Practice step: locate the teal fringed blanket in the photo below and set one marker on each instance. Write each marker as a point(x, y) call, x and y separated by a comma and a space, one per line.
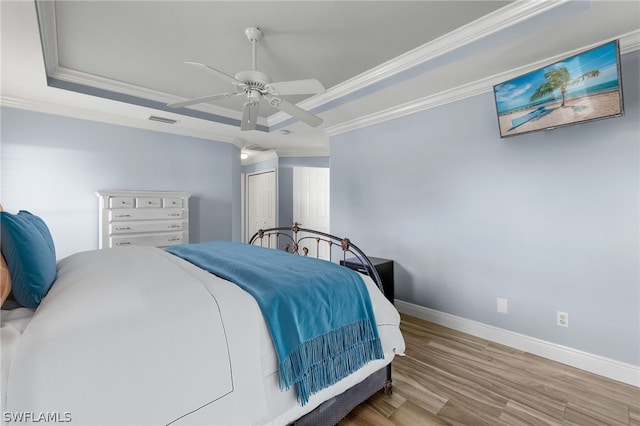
point(319, 313)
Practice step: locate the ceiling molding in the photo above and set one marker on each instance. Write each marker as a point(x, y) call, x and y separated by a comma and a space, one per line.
point(258, 157)
point(113, 86)
point(46, 11)
point(319, 152)
point(103, 83)
point(502, 18)
point(140, 121)
point(628, 43)
point(417, 105)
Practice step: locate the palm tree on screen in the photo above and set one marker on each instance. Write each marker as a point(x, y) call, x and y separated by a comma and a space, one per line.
point(559, 79)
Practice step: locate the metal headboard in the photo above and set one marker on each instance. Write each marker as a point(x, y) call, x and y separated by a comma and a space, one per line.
point(298, 241)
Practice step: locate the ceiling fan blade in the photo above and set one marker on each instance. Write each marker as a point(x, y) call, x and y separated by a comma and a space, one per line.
point(249, 115)
point(294, 111)
point(203, 99)
point(297, 87)
point(220, 74)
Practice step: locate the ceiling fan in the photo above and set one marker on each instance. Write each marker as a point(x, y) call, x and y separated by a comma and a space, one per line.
point(255, 86)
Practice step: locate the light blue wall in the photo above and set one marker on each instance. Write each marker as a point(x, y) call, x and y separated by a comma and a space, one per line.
point(547, 220)
point(52, 166)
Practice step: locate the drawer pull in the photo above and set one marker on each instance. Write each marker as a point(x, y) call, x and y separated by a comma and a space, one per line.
point(174, 215)
point(174, 226)
point(174, 239)
point(124, 228)
point(123, 215)
point(124, 243)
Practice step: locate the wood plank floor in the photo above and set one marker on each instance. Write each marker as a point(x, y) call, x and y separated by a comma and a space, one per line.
point(452, 378)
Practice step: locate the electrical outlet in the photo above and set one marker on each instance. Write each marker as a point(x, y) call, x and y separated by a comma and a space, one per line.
point(563, 319)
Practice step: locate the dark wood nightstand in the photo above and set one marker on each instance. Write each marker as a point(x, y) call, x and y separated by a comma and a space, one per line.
point(384, 267)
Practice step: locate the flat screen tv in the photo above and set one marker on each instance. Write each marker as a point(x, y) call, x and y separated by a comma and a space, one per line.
point(580, 88)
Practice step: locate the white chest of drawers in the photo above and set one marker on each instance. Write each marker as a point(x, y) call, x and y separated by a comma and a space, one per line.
point(144, 218)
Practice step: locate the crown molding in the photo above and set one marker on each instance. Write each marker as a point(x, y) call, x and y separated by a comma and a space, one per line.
point(117, 119)
point(629, 42)
point(498, 20)
point(113, 86)
point(317, 152)
point(81, 78)
point(258, 157)
point(46, 12)
point(427, 102)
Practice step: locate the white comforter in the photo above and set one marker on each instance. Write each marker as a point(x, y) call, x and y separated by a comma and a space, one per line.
point(138, 336)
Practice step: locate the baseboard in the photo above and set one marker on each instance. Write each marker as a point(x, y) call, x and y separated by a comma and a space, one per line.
point(615, 370)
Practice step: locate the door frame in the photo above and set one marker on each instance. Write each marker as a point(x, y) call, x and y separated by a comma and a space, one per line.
point(245, 199)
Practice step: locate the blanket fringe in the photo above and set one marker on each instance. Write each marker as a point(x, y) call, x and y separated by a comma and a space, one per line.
point(326, 359)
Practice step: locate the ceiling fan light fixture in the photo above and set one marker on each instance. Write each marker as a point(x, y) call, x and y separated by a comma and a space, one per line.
point(256, 85)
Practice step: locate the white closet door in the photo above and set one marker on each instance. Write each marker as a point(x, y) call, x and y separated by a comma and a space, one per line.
point(261, 202)
point(311, 202)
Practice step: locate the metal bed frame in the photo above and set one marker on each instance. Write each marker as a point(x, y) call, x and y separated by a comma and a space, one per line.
point(288, 239)
point(299, 241)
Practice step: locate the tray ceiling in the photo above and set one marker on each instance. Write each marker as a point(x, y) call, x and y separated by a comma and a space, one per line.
point(371, 56)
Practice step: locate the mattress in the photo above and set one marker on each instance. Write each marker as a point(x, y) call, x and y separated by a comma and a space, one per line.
point(138, 336)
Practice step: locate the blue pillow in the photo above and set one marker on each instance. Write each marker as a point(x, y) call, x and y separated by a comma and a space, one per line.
point(28, 249)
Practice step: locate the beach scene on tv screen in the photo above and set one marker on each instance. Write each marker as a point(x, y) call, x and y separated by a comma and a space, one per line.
point(580, 88)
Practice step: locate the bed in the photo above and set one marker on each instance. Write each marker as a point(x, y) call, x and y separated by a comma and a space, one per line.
point(138, 335)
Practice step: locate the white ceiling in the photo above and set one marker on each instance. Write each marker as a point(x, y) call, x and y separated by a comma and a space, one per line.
point(121, 61)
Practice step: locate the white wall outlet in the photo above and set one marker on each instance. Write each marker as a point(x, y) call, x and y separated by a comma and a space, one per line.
point(502, 305)
point(563, 319)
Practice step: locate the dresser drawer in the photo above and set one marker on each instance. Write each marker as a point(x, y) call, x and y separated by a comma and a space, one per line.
point(146, 226)
point(121, 202)
point(145, 214)
point(148, 202)
point(172, 202)
point(157, 240)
